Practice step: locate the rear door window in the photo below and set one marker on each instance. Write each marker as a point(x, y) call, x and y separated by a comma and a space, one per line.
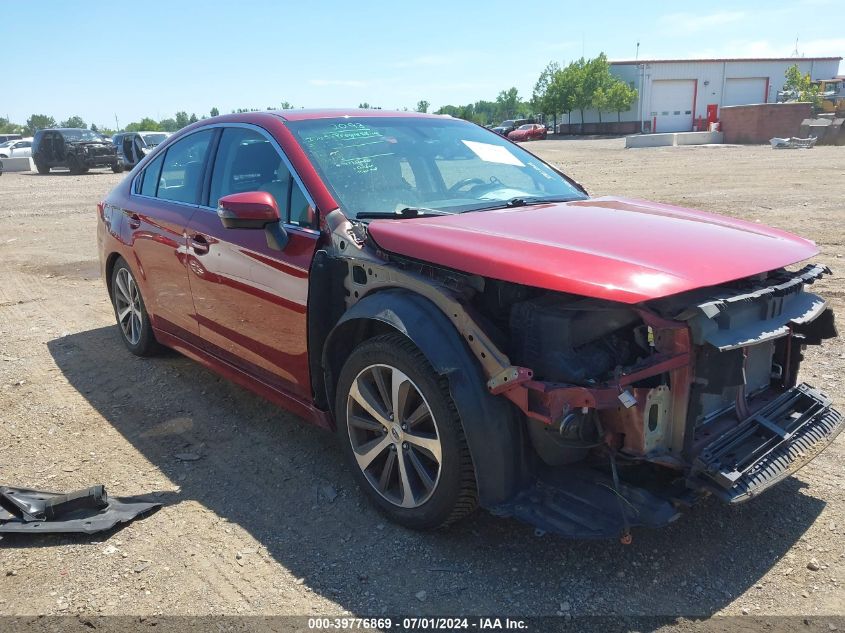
point(182, 170)
point(149, 184)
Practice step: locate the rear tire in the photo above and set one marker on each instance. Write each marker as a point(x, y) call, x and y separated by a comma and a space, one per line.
point(117, 168)
point(405, 444)
point(74, 165)
point(133, 322)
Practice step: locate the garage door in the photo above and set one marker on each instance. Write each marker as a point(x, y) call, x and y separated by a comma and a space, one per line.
point(672, 104)
point(745, 90)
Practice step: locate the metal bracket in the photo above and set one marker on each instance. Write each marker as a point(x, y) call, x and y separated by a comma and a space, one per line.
point(508, 378)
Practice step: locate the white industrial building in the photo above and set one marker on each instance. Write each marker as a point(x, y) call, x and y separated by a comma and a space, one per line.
point(674, 93)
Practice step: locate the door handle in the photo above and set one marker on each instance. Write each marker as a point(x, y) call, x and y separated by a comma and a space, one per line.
point(133, 220)
point(199, 244)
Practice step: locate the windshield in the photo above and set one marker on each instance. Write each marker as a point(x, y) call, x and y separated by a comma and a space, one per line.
point(526, 127)
point(6, 143)
point(83, 135)
point(154, 139)
point(383, 165)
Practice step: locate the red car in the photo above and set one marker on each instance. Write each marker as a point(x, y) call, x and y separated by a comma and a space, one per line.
point(475, 327)
point(529, 132)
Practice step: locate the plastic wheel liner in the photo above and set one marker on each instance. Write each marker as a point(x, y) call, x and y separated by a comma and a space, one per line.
point(84, 511)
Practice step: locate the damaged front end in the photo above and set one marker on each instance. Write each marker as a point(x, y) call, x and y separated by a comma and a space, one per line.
point(688, 395)
point(629, 411)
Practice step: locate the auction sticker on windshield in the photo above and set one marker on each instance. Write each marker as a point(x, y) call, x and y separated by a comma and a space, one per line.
point(493, 153)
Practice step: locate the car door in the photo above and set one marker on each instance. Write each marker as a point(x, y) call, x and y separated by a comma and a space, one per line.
point(165, 196)
point(46, 149)
point(250, 299)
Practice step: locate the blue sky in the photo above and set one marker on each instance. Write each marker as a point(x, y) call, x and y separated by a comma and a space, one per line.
point(152, 57)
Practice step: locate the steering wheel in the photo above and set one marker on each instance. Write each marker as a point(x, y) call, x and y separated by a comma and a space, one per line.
point(466, 182)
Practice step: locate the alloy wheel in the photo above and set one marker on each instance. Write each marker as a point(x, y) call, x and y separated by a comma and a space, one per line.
point(127, 302)
point(394, 435)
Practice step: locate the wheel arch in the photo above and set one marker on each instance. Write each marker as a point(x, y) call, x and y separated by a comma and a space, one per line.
point(111, 262)
point(494, 435)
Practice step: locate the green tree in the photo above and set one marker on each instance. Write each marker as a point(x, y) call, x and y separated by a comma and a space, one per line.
point(422, 106)
point(620, 97)
point(600, 101)
point(563, 88)
point(182, 119)
point(146, 124)
point(74, 121)
point(364, 106)
point(168, 125)
point(597, 81)
point(214, 112)
point(7, 127)
point(38, 122)
point(286, 105)
point(582, 94)
point(800, 87)
point(542, 99)
point(508, 102)
point(193, 118)
point(94, 128)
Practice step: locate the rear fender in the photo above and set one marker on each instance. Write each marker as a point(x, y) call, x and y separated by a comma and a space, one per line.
point(493, 432)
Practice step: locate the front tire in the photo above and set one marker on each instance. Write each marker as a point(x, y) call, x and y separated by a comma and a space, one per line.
point(403, 436)
point(42, 169)
point(74, 165)
point(117, 168)
point(131, 313)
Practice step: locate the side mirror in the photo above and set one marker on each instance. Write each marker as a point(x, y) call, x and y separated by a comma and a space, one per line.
point(254, 210)
point(248, 210)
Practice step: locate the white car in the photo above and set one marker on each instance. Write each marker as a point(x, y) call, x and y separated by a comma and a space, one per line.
point(154, 138)
point(21, 148)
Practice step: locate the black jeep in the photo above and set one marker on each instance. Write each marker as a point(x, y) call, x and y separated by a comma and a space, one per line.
point(75, 148)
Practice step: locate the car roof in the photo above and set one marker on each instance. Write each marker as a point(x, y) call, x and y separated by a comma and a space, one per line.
point(333, 113)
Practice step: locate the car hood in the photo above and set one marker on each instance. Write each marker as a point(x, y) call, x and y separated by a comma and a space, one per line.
point(609, 248)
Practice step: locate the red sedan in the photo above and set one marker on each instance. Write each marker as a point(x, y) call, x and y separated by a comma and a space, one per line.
point(529, 132)
point(475, 328)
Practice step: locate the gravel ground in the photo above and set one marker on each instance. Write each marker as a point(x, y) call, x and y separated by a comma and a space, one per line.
point(268, 521)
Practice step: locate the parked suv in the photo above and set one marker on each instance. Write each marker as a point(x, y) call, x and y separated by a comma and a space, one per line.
point(75, 148)
point(475, 327)
point(506, 127)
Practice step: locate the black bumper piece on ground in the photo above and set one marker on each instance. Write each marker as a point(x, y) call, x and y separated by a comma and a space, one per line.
point(84, 511)
point(770, 445)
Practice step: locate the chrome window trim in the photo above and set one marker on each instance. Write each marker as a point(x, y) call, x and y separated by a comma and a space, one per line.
point(154, 158)
point(278, 148)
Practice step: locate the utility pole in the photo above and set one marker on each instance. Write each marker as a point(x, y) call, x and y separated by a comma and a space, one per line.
point(116, 124)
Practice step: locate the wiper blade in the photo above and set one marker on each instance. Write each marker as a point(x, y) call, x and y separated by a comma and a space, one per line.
point(407, 212)
point(520, 202)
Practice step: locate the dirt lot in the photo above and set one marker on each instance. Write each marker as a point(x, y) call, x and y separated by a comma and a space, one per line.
point(267, 520)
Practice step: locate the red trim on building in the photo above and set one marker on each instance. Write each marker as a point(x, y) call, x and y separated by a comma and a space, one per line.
point(694, 99)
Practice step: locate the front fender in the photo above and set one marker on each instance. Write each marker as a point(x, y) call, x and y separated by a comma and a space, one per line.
point(494, 434)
